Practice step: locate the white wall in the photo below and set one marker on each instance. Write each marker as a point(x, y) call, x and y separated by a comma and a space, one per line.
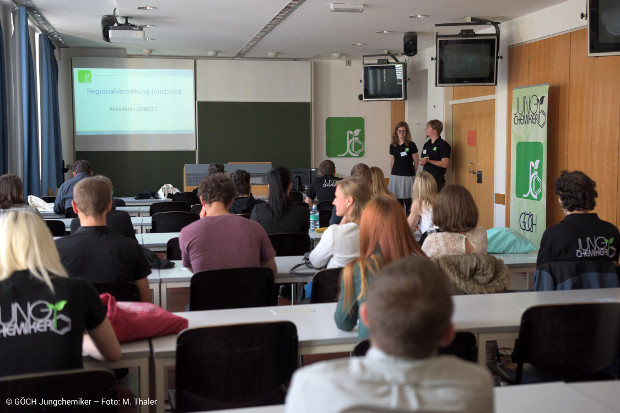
point(535, 26)
point(335, 91)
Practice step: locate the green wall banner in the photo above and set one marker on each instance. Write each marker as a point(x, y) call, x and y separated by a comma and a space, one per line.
point(528, 161)
point(345, 137)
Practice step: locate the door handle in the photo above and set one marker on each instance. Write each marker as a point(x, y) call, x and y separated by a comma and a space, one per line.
point(469, 169)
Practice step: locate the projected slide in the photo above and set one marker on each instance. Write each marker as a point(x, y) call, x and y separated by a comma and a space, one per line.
point(128, 107)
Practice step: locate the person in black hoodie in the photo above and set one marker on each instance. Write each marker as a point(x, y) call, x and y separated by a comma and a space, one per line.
point(244, 202)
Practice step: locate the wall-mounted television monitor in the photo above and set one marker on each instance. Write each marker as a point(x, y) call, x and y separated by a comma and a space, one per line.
point(385, 81)
point(466, 61)
point(603, 27)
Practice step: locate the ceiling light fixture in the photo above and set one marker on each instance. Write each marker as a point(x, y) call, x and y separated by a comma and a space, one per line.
point(272, 54)
point(384, 31)
point(358, 44)
point(346, 8)
point(418, 16)
point(213, 53)
point(336, 55)
point(146, 8)
point(273, 23)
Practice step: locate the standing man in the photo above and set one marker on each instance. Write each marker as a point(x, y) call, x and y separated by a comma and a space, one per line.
point(323, 188)
point(436, 153)
point(95, 252)
point(81, 170)
point(219, 239)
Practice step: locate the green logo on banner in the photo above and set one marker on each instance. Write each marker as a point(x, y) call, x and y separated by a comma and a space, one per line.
point(84, 76)
point(345, 137)
point(529, 169)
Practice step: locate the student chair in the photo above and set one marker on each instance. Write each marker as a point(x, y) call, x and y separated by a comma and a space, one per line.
point(172, 221)
point(324, 216)
point(189, 197)
point(118, 202)
point(232, 288)
point(121, 291)
point(169, 206)
point(48, 199)
point(565, 342)
point(90, 384)
point(173, 250)
point(296, 196)
point(70, 213)
point(57, 227)
point(325, 286)
point(233, 366)
point(196, 208)
point(325, 205)
point(290, 243)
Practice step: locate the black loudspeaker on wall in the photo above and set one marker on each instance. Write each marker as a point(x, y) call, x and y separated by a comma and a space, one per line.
point(410, 43)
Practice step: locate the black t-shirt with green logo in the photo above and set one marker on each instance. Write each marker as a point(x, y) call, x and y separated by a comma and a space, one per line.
point(403, 159)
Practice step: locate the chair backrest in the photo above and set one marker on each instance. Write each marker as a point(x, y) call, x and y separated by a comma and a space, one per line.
point(247, 215)
point(196, 208)
point(463, 346)
point(238, 365)
point(296, 196)
point(122, 291)
point(325, 205)
point(325, 286)
point(569, 340)
point(232, 288)
point(57, 228)
point(290, 243)
point(172, 221)
point(90, 384)
point(189, 197)
point(69, 213)
point(169, 206)
point(48, 199)
point(173, 250)
point(324, 216)
point(119, 202)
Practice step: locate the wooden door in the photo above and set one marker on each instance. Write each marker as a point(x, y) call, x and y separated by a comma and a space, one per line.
point(473, 138)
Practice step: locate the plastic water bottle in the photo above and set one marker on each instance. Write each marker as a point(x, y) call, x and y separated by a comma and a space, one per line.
point(314, 218)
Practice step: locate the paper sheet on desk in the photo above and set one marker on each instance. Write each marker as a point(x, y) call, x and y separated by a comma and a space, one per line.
point(292, 309)
point(40, 204)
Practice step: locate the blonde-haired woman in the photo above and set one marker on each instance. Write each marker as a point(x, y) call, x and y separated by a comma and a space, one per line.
point(340, 242)
point(48, 311)
point(378, 182)
point(424, 196)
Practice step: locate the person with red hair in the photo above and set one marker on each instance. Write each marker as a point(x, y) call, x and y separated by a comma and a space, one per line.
point(384, 237)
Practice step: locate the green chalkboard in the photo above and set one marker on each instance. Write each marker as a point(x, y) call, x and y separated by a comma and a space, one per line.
point(276, 132)
point(132, 171)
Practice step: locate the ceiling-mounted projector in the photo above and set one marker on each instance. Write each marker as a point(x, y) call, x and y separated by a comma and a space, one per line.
point(115, 32)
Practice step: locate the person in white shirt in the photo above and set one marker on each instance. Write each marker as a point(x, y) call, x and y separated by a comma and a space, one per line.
point(408, 311)
point(340, 242)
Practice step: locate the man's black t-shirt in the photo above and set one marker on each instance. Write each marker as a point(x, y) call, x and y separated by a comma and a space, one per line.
point(436, 152)
point(323, 188)
point(41, 330)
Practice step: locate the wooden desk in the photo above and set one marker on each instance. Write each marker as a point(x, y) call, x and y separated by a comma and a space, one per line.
point(139, 223)
point(133, 354)
point(179, 276)
point(133, 211)
point(315, 327)
point(156, 241)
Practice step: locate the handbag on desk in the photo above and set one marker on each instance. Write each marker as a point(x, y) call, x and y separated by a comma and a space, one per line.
point(137, 320)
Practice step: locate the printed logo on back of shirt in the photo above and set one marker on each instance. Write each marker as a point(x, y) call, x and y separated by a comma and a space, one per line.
point(329, 183)
point(595, 247)
point(38, 317)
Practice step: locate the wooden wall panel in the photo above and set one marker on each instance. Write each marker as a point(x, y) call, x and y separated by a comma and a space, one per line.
point(557, 129)
point(579, 145)
point(604, 126)
point(465, 92)
point(537, 64)
point(397, 114)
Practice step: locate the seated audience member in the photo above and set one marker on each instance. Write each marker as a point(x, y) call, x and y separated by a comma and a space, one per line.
point(384, 238)
point(244, 201)
point(378, 182)
point(424, 196)
point(340, 242)
point(360, 170)
point(81, 170)
point(35, 291)
point(582, 250)
point(323, 187)
point(216, 168)
point(456, 215)
point(408, 313)
point(222, 240)
point(11, 195)
point(281, 214)
point(95, 252)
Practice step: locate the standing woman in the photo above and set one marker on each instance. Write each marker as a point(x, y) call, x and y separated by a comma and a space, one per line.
point(384, 237)
point(340, 242)
point(36, 292)
point(404, 160)
point(281, 214)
